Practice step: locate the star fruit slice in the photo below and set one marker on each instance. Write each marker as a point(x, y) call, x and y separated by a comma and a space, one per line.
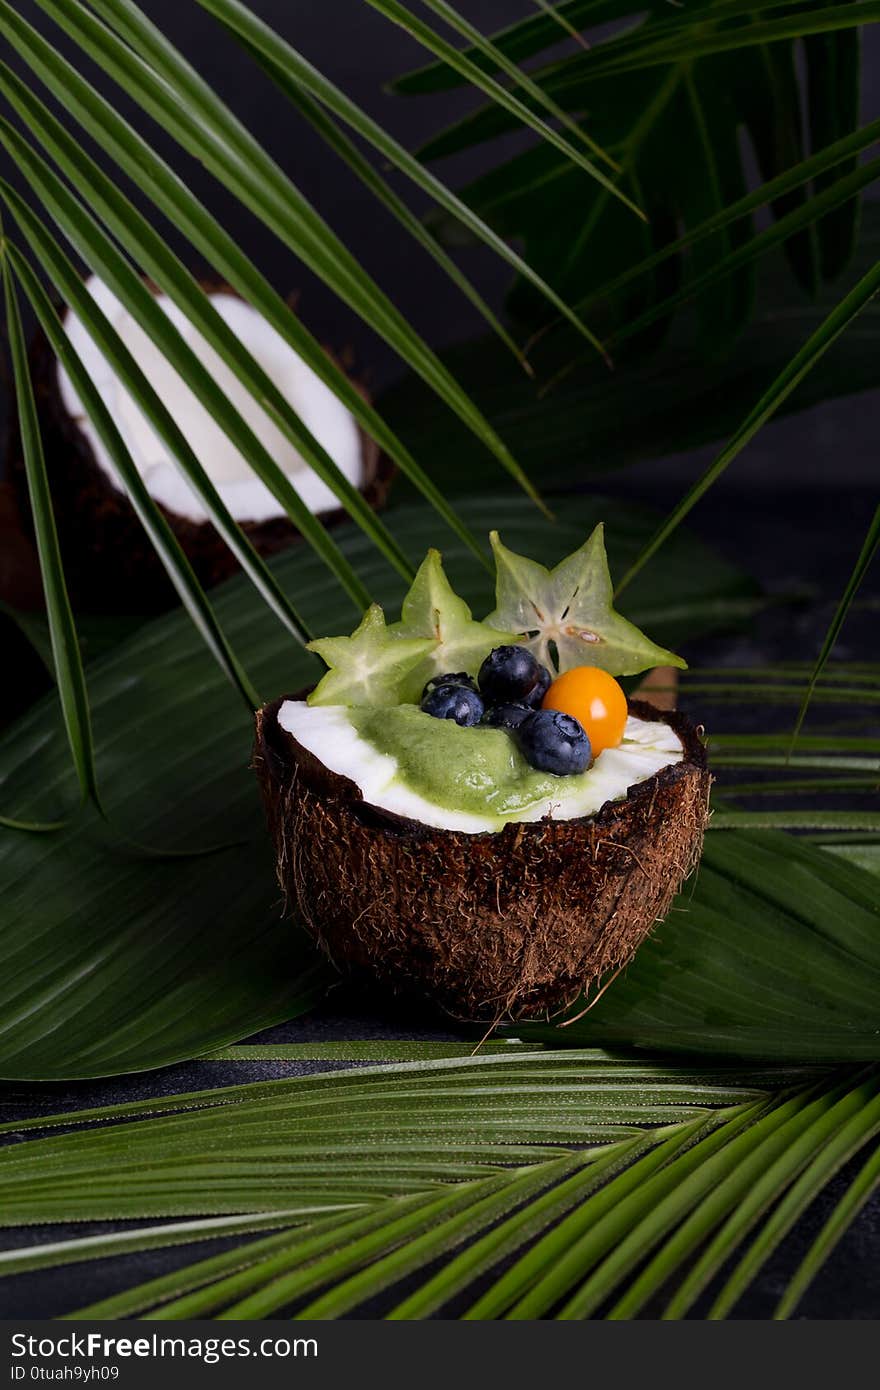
point(368, 668)
point(571, 608)
point(433, 610)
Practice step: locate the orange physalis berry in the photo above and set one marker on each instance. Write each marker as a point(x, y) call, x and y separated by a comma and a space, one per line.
point(595, 700)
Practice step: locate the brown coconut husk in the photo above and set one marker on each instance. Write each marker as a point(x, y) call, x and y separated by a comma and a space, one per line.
point(503, 925)
point(109, 562)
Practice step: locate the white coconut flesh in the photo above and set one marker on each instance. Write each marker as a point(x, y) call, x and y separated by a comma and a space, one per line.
point(460, 783)
point(247, 498)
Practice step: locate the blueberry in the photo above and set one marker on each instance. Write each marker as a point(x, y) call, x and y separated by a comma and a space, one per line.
point(554, 742)
point(545, 680)
point(505, 716)
point(456, 678)
point(509, 675)
point(456, 702)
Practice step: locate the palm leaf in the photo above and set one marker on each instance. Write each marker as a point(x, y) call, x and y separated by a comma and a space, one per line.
point(755, 962)
point(585, 426)
point(575, 1221)
point(261, 37)
point(163, 539)
point(187, 108)
point(838, 194)
point(865, 556)
point(372, 179)
point(64, 275)
point(519, 40)
point(844, 1213)
point(172, 197)
point(849, 1125)
point(497, 59)
point(807, 21)
point(683, 80)
point(66, 657)
point(814, 167)
point(162, 266)
point(526, 37)
point(85, 234)
point(788, 379)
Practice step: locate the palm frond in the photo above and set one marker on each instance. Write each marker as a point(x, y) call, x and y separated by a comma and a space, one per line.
point(171, 196)
point(801, 364)
point(674, 1154)
point(149, 250)
point(680, 79)
point(66, 656)
point(863, 560)
point(258, 35)
point(863, 1185)
point(497, 59)
point(165, 542)
point(167, 88)
point(63, 273)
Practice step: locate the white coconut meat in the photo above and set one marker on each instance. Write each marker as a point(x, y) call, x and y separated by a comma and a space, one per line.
point(247, 498)
point(327, 732)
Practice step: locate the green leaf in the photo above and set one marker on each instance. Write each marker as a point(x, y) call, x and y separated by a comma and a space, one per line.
point(66, 657)
point(184, 1293)
point(795, 820)
point(865, 556)
point(173, 198)
point(501, 96)
point(774, 952)
point(519, 40)
point(109, 963)
point(104, 335)
point(342, 1168)
point(85, 234)
point(758, 33)
point(168, 272)
point(496, 58)
point(585, 425)
point(509, 1236)
point(817, 166)
point(266, 41)
point(847, 1127)
point(546, 1272)
point(445, 1235)
point(186, 107)
point(566, 615)
point(372, 179)
point(358, 1149)
point(371, 667)
point(162, 537)
point(847, 1209)
point(667, 94)
point(792, 374)
point(833, 63)
point(53, 1254)
point(733, 1182)
point(784, 230)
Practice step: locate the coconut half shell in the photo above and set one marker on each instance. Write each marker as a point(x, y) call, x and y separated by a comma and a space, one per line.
point(110, 565)
point(501, 925)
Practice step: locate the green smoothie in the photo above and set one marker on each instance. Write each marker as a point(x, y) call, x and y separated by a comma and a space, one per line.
point(477, 770)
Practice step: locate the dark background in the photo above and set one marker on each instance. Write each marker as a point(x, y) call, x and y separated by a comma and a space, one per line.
point(793, 508)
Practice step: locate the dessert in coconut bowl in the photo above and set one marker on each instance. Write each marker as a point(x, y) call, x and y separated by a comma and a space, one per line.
point(473, 811)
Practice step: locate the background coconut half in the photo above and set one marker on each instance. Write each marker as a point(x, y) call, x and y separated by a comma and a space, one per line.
point(511, 924)
point(109, 562)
